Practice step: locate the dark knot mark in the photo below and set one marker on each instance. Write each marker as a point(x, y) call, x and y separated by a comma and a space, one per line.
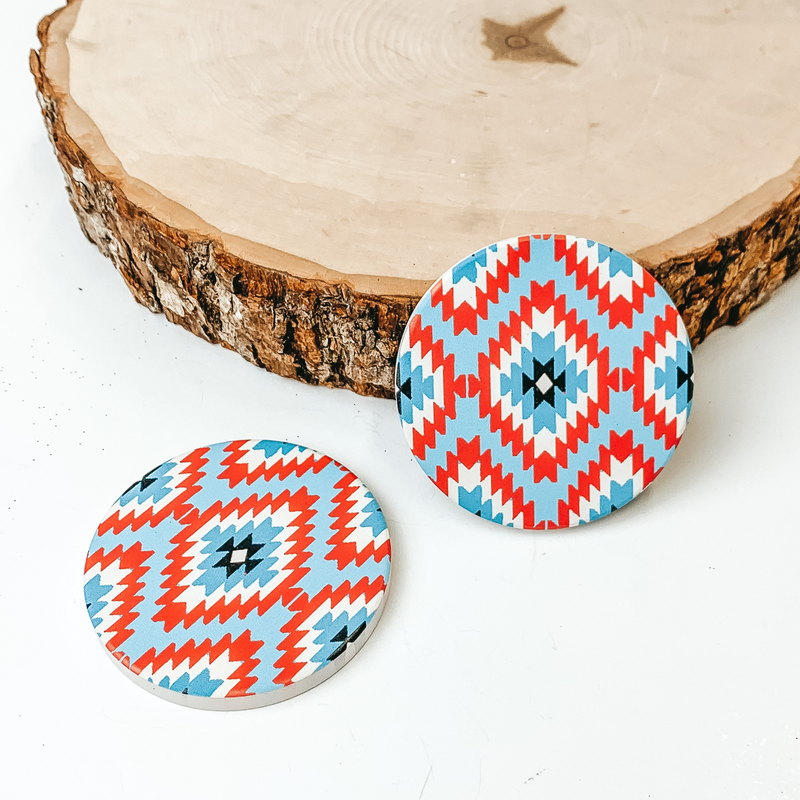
point(526, 41)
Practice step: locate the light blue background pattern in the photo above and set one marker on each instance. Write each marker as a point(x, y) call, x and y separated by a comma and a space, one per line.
point(416, 388)
point(321, 571)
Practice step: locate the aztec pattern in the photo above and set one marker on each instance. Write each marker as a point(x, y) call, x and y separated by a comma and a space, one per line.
point(544, 381)
point(237, 569)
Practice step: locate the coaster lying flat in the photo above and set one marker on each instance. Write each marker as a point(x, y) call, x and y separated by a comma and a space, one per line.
point(239, 574)
point(544, 381)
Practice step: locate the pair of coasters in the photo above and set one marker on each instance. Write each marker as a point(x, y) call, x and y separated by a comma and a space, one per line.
point(542, 382)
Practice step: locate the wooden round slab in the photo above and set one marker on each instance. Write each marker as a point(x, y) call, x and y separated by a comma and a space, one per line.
point(288, 179)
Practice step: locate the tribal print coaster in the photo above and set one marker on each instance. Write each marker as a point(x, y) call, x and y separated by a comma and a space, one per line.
point(239, 574)
point(544, 381)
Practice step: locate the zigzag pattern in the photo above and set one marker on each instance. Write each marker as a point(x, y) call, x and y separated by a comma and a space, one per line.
point(525, 367)
point(184, 602)
point(359, 528)
point(305, 637)
point(464, 301)
point(543, 454)
point(226, 665)
point(436, 405)
point(121, 571)
point(254, 460)
point(177, 483)
point(619, 474)
point(607, 277)
point(666, 412)
point(226, 547)
point(476, 482)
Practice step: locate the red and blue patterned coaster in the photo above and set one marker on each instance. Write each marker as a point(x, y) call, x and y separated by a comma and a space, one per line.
point(544, 381)
point(239, 574)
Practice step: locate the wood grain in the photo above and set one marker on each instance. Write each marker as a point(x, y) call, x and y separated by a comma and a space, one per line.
point(297, 221)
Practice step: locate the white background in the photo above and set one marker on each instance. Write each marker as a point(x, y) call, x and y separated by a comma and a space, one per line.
point(653, 654)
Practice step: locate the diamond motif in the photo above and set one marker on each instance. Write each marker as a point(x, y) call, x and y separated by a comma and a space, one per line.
point(524, 361)
point(243, 555)
point(237, 570)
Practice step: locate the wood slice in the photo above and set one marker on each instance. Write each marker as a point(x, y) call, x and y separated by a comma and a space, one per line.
point(287, 179)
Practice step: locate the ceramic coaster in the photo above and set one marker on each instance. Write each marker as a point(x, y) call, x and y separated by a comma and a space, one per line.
point(239, 574)
point(544, 381)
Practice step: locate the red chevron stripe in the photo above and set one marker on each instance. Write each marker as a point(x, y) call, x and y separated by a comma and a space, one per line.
point(174, 612)
point(444, 407)
point(237, 470)
point(133, 561)
point(465, 316)
point(243, 649)
point(544, 465)
point(303, 607)
point(621, 449)
point(644, 361)
point(468, 455)
point(620, 310)
point(344, 512)
point(177, 506)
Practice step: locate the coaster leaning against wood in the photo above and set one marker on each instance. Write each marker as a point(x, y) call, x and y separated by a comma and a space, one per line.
point(289, 180)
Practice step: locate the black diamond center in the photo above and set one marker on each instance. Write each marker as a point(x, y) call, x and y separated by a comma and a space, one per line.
point(544, 382)
point(238, 555)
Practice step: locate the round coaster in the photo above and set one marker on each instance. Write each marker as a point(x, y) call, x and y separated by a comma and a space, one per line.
point(239, 574)
point(544, 381)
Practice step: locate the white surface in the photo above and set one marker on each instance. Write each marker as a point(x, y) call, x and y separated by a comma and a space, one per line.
point(651, 654)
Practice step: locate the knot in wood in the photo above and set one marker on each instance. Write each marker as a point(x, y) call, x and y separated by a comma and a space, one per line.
point(517, 42)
